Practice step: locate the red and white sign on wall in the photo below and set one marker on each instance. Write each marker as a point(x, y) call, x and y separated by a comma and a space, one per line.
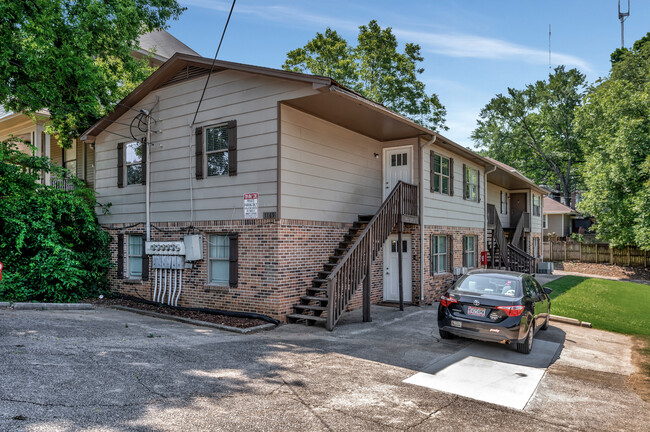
point(250, 205)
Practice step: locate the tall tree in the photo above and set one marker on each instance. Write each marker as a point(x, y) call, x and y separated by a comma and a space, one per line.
point(73, 57)
point(615, 127)
point(533, 129)
point(373, 68)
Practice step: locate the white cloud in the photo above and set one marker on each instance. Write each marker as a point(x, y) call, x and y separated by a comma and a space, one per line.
point(472, 46)
point(449, 44)
point(276, 13)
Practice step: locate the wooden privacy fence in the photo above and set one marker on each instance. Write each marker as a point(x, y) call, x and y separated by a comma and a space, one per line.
point(600, 253)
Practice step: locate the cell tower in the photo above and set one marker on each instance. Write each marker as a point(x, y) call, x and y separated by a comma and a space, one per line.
point(549, 48)
point(622, 16)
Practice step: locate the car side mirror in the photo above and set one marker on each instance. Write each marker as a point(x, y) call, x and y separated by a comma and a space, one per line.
point(548, 290)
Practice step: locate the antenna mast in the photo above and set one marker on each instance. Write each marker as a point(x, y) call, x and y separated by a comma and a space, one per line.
point(549, 48)
point(622, 16)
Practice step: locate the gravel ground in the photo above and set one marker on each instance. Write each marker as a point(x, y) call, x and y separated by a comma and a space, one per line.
point(201, 316)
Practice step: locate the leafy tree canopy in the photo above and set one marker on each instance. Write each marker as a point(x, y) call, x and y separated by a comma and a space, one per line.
point(52, 246)
point(533, 129)
point(615, 125)
point(73, 57)
point(373, 68)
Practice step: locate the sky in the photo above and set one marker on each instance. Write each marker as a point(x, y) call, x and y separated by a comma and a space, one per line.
point(472, 49)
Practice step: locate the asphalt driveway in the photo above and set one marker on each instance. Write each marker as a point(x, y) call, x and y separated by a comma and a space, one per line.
point(109, 370)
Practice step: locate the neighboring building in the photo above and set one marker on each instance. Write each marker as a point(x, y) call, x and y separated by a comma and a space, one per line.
point(558, 218)
point(324, 163)
point(80, 158)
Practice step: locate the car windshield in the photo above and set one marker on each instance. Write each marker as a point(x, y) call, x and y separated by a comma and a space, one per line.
point(489, 284)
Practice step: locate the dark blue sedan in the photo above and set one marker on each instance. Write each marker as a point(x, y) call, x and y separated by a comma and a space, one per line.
point(495, 306)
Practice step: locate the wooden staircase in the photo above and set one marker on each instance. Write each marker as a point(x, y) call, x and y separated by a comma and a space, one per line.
point(313, 305)
point(505, 254)
point(333, 287)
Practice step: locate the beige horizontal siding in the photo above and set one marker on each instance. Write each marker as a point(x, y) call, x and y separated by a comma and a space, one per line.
point(494, 198)
point(329, 173)
point(453, 211)
point(249, 99)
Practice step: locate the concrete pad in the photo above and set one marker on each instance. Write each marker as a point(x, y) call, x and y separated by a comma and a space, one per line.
point(489, 373)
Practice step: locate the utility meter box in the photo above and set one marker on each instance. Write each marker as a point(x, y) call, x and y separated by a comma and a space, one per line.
point(193, 247)
point(165, 248)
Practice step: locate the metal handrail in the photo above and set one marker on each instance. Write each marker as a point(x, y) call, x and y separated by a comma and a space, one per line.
point(345, 278)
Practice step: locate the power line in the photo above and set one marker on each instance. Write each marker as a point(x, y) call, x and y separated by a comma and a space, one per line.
point(213, 61)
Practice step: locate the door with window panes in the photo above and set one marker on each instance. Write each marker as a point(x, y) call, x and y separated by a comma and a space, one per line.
point(397, 166)
point(391, 268)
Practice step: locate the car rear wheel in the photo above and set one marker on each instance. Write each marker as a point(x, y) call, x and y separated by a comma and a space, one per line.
point(445, 334)
point(526, 346)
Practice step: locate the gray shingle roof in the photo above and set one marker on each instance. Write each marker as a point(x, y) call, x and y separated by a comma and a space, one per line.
point(165, 44)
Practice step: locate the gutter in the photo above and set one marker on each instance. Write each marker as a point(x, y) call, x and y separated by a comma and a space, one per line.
point(421, 182)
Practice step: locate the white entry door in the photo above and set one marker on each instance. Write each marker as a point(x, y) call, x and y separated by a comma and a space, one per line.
point(391, 268)
point(398, 163)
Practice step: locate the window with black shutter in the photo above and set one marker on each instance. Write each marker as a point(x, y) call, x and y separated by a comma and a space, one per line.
point(216, 150)
point(234, 259)
point(120, 256)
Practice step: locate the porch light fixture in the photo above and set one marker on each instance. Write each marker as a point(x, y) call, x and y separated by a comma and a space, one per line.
point(376, 155)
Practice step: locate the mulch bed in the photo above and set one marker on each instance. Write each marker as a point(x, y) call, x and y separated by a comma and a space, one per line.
point(200, 316)
point(605, 270)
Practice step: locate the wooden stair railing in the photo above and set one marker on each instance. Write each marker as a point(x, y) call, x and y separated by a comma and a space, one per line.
point(520, 261)
point(498, 235)
point(522, 223)
point(350, 271)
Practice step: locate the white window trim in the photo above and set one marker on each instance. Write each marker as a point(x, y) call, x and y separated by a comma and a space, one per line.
point(466, 252)
point(210, 259)
point(128, 256)
point(474, 186)
point(434, 238)
point(127, 165)
point(205, 149)
point(545, 221)
point(503, 202)
point(441, 175)
point(538, 206)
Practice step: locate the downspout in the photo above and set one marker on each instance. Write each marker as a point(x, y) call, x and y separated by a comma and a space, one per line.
point(421, 182)
point(485, 203)
point(147, 175)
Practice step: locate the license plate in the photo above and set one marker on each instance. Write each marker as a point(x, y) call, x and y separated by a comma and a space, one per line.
point(476, 311)
point(456, 324)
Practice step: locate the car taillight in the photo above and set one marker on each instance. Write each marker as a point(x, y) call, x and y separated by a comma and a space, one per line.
point(511, 311)
point(446, 301)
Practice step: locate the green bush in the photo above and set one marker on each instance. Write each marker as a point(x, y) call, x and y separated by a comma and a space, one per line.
point(51, 244)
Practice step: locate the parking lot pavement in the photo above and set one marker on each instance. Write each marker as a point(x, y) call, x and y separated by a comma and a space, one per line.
point(108, 370)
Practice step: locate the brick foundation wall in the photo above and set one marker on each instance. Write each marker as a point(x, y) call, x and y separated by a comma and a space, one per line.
point(436, 285)
point(277, 261)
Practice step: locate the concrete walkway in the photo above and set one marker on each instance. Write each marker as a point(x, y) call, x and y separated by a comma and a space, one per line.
point(110, 370)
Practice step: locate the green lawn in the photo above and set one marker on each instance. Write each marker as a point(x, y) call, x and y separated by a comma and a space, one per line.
point(622, 307)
